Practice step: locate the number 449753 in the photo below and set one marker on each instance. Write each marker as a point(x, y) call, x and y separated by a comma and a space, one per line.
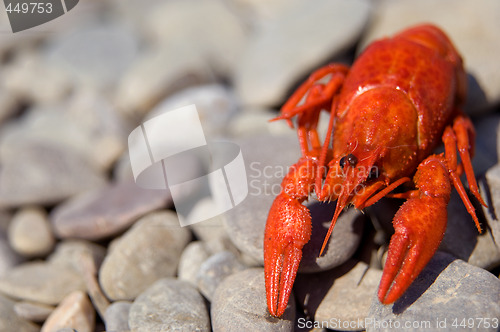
point(30, 7)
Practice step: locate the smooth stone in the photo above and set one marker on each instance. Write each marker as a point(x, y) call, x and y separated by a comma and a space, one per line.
point(475, 38)
point(308, 37)
point(239, 304)
point(70, 253)
point(10, 321)
point(440, 291)
point(191, 259)
point(343, 293)
point(485, 153)
point(8, 257)
point(259, 12)
point(30, 233)
point(41, 174)
point(209, 229)
point(490, 190)
point(150, 250)
point(41, 282)
point(245, 223)
point(486, 254)
point(169, 305)
point(75, 311)
point(254, 121)
point(214, 270)
point(105, 212)
point(116, 316)
point(32, 311)
point(215, 105)
point(8, 105)
point(28, 77)
point(210, 28)
point(95, 54)
point(157, 73)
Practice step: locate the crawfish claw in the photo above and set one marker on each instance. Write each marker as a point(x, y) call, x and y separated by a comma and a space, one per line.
point(288, 228)
point(420, 225)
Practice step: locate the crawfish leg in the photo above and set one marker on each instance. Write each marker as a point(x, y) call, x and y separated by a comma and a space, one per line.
point(419, 227)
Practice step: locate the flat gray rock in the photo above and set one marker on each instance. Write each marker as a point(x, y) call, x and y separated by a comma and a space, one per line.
point(447, 293)
point(41, 282)
point(107, 211)
point(10, 321)
point(33, 311)
point(191, 259)
point(42, 174)
point(341, 296)
point(116, 316)
point(291, 46)
point(479, 54)
point(147, 252)
point(169, 305)
point(239, 304)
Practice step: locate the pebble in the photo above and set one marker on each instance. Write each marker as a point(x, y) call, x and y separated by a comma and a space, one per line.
point(150, 250)
point(474, 36)
point(308, 37)
point(8, 105)
point(210, 229)
point(245, 224)
point(10, 321)
point(215, 105)
point(40, 282)
point(239, 304)
point(191, 259)
point(486, 152)
point(210, 28)
point(69, 253)
point(30, 233)
point(339, 296)
point(94, 54)
point(42, 174)
point(214, 270)
point(75, 311)
point(169, 305)
point(439, 294)
point(105, 212)
point(116, 316)
point(253, 121)
point(8, 257)
point(157, 73)
point(32, 311)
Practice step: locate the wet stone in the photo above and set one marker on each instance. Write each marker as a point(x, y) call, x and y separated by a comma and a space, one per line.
point(239, 304)
point(308, 36)
point(440, 291)
point(214, 270)
point(116, 316)
point(30, 233)
point(105, 212)
point(150, 250)
point(40, 282)
point(169, 305)
point(75, 311)
point(339, 295)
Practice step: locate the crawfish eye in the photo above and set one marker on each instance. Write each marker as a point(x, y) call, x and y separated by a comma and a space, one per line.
point(350, 159)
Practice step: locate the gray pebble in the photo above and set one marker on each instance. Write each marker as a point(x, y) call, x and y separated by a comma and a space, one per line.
point(10, 321)
point(479, 54)
point(150, 250)
point(210, 229)
point(116, 316)
point(239, 304)
point(41, 174)
point(105, 212)
point(308, 37)
point(491, 193)
point(190, 261)
point(70, 252)
point(40, 282)
point(341, 296)
point(30, 233)
point(214, 270)
point(169, 305)
point(75, 311)
point(447, 291)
